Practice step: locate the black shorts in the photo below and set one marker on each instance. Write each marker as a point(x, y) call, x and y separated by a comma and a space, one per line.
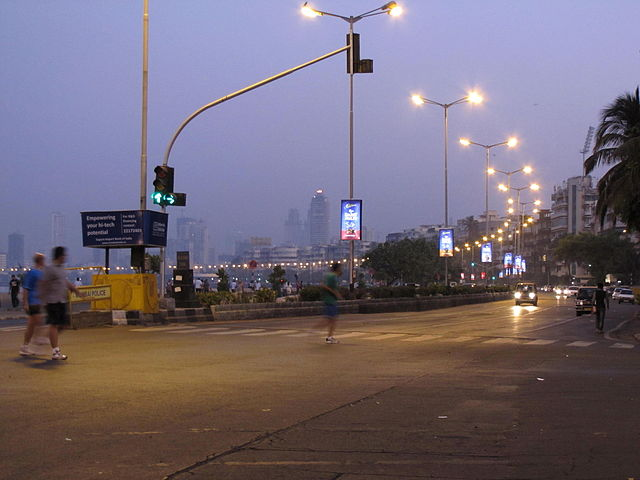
point(34, 309)
point(57, 314)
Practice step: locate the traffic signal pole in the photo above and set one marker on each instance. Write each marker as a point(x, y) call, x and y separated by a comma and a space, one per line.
point(222, 100)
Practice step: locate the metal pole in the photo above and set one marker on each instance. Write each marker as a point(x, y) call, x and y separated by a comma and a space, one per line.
point(446, 185)
point(351, 144)
point(486, 192)
point(145, 89)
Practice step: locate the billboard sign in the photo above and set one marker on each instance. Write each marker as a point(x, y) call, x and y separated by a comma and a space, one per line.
point(517, 263)
point(508, 259)
point(445, 242)
point(351, 220)
point(485, 252)
point(124, 228)
point(523, 265)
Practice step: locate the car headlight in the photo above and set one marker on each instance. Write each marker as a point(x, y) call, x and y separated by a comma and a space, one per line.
point(532, 295)
point(517, 294)
point(579, 302)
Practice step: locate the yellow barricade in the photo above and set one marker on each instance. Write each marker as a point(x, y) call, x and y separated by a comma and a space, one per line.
point(135, 291)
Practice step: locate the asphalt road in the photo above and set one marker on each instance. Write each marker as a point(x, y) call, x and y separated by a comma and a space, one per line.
point(489, 391)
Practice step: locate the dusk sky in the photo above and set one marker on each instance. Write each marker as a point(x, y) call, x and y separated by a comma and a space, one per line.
point(70, 79)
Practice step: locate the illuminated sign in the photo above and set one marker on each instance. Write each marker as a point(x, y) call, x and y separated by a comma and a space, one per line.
point(445, 242)
point(517, 262)
point(351, 220)
point(508, 259)
point(485, 252)
point(523, 265)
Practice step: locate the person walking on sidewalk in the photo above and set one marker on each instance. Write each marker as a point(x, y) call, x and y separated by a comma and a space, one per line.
point(601, 303)
point(31, 301)
point(14, 290)
point(54, 286)
point(330, 296)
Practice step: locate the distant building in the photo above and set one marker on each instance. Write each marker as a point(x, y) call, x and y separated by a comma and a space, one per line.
point(15, 253)
point(3, 261)
point(429, 232)
point(573, 207)
point(294, 229)
point(319, 219)
point(57, 229)
point(193, 237)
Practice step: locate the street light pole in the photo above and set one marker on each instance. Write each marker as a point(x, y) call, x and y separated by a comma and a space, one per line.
point(473, 98)
point(391, 8)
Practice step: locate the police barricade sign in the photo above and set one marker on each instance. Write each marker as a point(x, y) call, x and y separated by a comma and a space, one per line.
point(91, 293)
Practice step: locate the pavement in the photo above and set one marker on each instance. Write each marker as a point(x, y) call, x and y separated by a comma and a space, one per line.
point(489, 391)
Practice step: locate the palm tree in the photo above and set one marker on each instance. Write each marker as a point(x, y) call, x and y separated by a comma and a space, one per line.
point(471, 227)
point(618, 144)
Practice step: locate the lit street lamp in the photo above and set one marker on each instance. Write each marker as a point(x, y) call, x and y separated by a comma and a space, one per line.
point(473, 98)
point(390, 8)
point(511, 142)
point(504, 188)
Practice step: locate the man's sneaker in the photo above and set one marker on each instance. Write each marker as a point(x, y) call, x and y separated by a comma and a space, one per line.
point(331, 340)
point(25, 352)
point(57, 355)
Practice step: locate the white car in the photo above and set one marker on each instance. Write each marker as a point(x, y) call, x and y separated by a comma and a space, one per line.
point(616, 292)
point(571, 291)
point(626, 295)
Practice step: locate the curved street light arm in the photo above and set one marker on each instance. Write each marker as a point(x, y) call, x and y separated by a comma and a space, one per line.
point(240, 92)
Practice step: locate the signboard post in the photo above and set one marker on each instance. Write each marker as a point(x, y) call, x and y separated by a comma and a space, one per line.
point(351, 220)
point(445, 242)
point(486, 253)
point(124, 229)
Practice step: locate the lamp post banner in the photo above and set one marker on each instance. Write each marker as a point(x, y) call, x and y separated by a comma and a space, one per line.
point(351, 220)
point(124, 228)
point(445, 242)
point(486, 252)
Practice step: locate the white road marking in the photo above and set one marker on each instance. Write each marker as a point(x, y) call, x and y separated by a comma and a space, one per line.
point(502, 340)
point(159, 329)
point(622, 345)
point(386, 336)
point(239, 332)
point(272, 332)
point(199, 330)
point(461, 339)
point(541, 342)
point(13, 329)
point(580, 344)
point(421, 338)
point(304, 334)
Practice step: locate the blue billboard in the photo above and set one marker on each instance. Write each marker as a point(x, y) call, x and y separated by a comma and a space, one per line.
point(508, 259)
point(517, 263)
point(485, 253)
point(351, 220)
point(445, 242)
point(124, 228)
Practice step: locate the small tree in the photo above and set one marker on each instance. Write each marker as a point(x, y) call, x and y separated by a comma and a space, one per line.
point(153, 261)
point(223, 280)
point(276, 277)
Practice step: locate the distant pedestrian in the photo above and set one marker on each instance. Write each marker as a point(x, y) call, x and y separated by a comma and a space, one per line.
point(198, 285)
point(258, 285)
point(234, 286)
point(330, 297)
point(31, 301)
point(54, 286)
point(601, 303)
point(14, 290)
point(205, 285)
point(78, 282)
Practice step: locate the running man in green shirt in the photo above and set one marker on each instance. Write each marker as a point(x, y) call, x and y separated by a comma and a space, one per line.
point(330, 296)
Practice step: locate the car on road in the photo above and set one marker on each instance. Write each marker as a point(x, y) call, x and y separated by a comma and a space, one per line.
point(572, 291)
point(616, 292)
point(584, 300)
point(526, 293)
point(626, 295)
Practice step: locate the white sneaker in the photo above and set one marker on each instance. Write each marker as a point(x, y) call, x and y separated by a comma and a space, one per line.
point(24, 351)
point(331, 340)
point(57, 355)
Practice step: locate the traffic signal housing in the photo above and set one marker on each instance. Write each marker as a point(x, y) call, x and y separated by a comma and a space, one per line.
point(164, 179)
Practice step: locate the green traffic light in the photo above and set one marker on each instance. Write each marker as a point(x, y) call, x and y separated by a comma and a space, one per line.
point(169, 199)
point(157, 198)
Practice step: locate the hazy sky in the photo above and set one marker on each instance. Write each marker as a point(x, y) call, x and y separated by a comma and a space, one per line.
point(70, 83)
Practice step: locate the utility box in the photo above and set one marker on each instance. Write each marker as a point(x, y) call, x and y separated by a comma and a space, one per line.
point(136, 291)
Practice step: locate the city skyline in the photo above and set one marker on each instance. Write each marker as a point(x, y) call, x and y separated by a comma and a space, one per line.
point(73, 96)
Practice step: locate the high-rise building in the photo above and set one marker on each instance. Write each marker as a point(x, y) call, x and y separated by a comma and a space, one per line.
point(15, 253)
point(57, 229)
point(319, 219)
point(294, 229)
point(573, 206)
point(193, 237)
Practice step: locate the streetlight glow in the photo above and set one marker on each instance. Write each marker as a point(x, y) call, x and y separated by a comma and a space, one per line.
point(417, 99)
point(474, 97)
point(307, 11)
point(537, 202)
point(527, 169)
point(393, 9)
point(465, 141)
point(502, 187)
point(512, 142)
point(491, 171)
point(535, 187)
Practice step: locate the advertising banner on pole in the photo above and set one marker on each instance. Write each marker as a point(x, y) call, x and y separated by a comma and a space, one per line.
point(508, 259)
point(445, 242)
point(485, 253)
point(351, 220)
point(523, 265)
point(517, 263)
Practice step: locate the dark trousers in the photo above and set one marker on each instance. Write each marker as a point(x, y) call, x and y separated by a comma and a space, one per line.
point(600, 311)
point(14, 299)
